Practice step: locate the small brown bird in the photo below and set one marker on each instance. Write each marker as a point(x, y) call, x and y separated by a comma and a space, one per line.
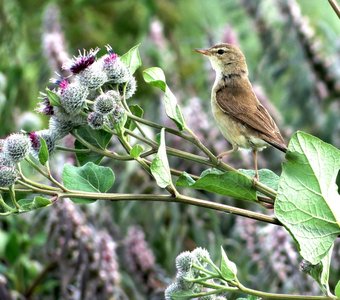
point(240, 116)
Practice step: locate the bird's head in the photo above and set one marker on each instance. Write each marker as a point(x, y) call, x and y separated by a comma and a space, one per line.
point(225, 58)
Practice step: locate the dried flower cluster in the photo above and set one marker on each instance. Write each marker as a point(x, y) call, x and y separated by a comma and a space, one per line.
point(86, 257)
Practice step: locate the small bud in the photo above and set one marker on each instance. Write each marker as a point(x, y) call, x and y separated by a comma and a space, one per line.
point(72, 96)
point(171, 290)
point(17, 146)
point(114, 68)
point(131, 87)
point(118, 113)
point(45, 107)
point(46, 135)
point(95, 120)
point(184, 262)
point(104, 104)
point(8, 176)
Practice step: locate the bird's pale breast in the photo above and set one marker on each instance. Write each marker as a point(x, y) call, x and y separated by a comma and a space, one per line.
point(236, 133)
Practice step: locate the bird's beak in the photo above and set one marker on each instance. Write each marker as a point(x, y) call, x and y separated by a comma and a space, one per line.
point(202, 51)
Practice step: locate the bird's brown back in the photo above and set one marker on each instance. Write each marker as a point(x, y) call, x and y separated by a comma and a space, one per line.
point(237, 99)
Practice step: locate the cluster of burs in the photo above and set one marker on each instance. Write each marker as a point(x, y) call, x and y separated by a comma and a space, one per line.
point(191, 268)
point(92, 96)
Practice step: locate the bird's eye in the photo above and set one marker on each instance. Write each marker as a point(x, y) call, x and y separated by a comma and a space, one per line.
point(221, 51)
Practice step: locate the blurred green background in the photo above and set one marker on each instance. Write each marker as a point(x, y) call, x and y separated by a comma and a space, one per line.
point(292, 50)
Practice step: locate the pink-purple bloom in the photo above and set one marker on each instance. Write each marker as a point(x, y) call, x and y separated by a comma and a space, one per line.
point(82, 61)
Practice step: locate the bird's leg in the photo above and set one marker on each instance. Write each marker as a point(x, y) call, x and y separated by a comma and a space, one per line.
point(255, 164)
point(221, 155)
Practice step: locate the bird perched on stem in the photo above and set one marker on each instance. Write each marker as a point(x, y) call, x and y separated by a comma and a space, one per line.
point(240, 116)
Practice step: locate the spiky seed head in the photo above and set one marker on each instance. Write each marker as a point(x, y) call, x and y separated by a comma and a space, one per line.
point(5, 161)
point(8, 176)
point(115, 69)
point(63, 116)
point(184, 262)
point(131, 87)
point(72, 96)
point(17, 146)
point(201, 255)
point(95, 120)
point(104, 104)
point(182, 279)
point(171, 290)
point(92, 77)
point(2, 142)
point(60, 128)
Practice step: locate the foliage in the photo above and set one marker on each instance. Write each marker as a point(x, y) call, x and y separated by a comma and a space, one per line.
point(275, 48)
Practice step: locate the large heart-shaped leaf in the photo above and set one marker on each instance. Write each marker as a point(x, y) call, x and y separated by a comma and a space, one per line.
point(308, 203)
point(88, 178)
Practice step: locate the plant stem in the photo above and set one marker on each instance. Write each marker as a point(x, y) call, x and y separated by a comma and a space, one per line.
point(335, 7)
point(169, 198)
point(101, 151)
point(266, 295)
point(12, 196)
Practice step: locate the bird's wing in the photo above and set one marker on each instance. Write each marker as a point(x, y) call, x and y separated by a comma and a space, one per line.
point(240, 102)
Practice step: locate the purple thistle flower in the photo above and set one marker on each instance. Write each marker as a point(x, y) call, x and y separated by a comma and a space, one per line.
point(82, 61)
point(35, 141)
point(112, 56)
point(45, 107)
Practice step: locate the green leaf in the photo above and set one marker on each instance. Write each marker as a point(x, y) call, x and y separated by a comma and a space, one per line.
point(155, 77)
point(228, 183)
point(228, 268)
point(31, 204)
point(53, 98)
point(337, 289)
point(137, 111)
point(88, 178)
point(43, 152)
point(267, 177)
point(308, 203)
point(160, 166)
point(136, 150)
point(320, 272)
point(97, 138)
point(132, 59)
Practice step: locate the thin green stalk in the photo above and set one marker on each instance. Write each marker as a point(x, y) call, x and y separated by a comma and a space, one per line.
point(53, 180)
point(266, 295)
point(33, 183)
point(12, 196)
point(106, 153)
point(66, 149)
point(5, 206)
